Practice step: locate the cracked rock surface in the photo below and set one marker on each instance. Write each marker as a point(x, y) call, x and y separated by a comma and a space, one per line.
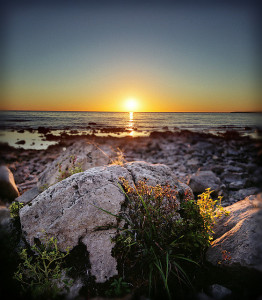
point(86, 155)
point(70, 210)
point(240, 235)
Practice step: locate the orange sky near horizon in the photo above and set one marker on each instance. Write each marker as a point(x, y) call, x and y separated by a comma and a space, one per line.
point(143, 104)
point(171, 59)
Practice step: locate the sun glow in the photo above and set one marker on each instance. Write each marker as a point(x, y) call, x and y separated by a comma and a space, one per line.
point(131, 104)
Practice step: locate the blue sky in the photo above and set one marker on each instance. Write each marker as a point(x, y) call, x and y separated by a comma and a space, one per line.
point(169, 57)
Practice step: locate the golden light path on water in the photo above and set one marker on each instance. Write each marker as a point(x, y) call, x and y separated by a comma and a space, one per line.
point(131, 123)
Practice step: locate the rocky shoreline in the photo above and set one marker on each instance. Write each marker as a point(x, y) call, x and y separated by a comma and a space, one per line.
point(192, 162)
point(235, 162)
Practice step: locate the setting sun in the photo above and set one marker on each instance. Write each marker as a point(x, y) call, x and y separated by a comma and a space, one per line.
point(131, 104)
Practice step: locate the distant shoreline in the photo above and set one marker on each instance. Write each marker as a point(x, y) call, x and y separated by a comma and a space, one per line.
point(143, 112)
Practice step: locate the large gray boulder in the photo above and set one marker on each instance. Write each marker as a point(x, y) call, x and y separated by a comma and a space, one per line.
point(239, 235)
point(8, 188)
point(202, 180)
point(81, 154)
point(69, 210)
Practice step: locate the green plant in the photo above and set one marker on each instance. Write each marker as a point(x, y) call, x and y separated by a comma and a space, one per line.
point(118, 288)
point(14, 209)
point(210, 210)
point(44, 187)
point(75, 168)
point(161, 236)
point(40, 272)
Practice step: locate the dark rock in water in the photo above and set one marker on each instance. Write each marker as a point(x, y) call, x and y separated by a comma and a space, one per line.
point(238, 237)
point(112, 129)
point(21, 142)
point(52, 137)
point(73, 132)
point(231, 135)
point(8, 188)
point(43, 130)
point(158, 134)
point(202, 180)
point(92, 123)
point(29, 195)
point(21, 131)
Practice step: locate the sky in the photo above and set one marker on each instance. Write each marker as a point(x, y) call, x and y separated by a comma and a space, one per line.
point(168, 57)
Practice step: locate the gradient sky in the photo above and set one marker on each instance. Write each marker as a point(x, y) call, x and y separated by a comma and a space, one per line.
point(168, 57)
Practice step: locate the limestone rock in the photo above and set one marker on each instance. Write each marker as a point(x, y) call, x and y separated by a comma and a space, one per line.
point(8, 188)
point(202, 180)
point(69, 210)
point(153, 173)
point(82, 154)
point(28, 196)
point(240, 235)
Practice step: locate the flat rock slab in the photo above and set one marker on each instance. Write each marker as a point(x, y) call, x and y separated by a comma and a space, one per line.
point(239, 235)
point(72, 210)
point(28, 196)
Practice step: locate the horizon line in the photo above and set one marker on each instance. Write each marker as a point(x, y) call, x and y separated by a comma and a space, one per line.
point(105, 111)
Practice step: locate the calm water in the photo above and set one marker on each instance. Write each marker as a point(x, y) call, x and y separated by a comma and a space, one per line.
point(135, 124)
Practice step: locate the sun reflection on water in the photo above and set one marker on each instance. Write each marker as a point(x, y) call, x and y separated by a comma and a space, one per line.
point(131, 123)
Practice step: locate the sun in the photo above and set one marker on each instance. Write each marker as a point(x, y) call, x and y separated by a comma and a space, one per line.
point(131, 104)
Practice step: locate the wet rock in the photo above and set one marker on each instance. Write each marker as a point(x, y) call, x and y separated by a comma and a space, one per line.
point(21, 142)
point(202, 180)
point(238, 237)
point(8, 188)
point(69, 210)
point(43, 130)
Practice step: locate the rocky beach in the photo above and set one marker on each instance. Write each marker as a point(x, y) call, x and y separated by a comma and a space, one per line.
point(228, 164)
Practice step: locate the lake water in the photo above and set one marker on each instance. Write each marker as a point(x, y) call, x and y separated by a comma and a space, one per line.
point(17, 125)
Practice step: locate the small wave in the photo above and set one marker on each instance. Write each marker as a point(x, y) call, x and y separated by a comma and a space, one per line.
point(17, 120)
